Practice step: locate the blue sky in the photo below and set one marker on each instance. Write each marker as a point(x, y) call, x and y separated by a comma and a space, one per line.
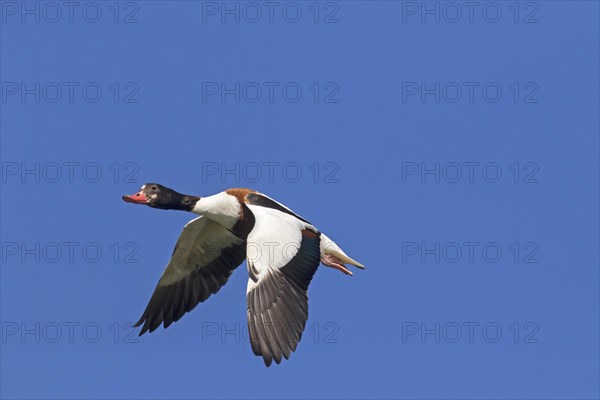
point(452, 150)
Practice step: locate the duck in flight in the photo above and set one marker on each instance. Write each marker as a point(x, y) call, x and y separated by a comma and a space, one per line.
point(282, 252)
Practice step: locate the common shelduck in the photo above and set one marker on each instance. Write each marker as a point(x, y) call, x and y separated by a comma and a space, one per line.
point(282, 252)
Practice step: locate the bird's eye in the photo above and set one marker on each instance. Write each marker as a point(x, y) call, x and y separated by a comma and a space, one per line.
point(154, 188)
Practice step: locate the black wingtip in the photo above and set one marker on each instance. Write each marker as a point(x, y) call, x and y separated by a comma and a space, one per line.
point(145, 327)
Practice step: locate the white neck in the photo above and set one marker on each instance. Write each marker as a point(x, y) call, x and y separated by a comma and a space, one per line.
point(221, 207)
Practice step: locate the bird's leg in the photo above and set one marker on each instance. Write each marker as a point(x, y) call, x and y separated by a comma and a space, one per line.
point(335, 263)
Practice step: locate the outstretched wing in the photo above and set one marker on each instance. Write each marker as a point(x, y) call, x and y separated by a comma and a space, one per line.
point(205, 256)
point(283, 254)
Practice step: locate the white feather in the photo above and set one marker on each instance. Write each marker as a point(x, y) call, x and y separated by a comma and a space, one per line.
point(221, 207)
